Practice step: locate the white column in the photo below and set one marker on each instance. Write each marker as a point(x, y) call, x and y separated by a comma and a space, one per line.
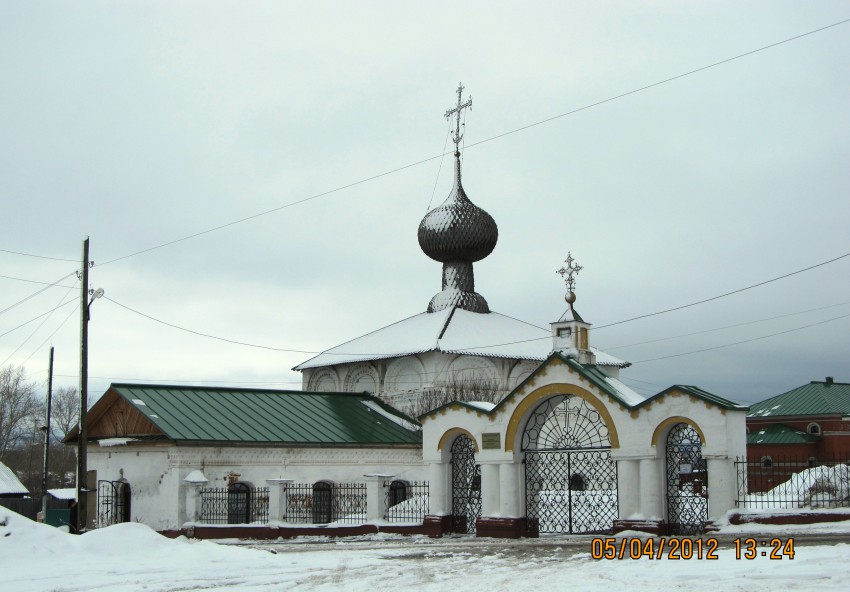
point(193, 501)
point(628, 487)
point(490, 489)
point(438, 489)
point(722, 487)
point(375, 496)
point(277, 498)
point(509, 489)
point(651, 487)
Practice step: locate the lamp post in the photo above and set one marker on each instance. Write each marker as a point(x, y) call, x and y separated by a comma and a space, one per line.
point(82, 440)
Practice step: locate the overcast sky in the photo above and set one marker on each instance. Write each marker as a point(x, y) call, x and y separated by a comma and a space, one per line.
point(139, 123)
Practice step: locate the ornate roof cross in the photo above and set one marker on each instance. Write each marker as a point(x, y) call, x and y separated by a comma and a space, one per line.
point(570, 271)
point(457, 136)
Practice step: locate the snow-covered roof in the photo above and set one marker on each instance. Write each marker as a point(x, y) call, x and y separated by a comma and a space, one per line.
point(9, 482)
point(64, 493)
point(452, 330)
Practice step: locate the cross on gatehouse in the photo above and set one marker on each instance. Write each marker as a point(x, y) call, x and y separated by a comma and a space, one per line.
point(457, 136)
point(569, 271)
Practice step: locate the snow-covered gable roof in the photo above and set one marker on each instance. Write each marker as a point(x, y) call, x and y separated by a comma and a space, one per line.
point(454, 331)
point(9, 482)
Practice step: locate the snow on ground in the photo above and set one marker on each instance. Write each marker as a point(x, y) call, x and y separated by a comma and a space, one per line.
point(131, 557)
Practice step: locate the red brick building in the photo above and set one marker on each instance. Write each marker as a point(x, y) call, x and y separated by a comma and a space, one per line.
point(805, 427)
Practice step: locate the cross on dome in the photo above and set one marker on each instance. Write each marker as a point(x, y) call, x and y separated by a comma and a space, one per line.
point(456, 135)
point(569, 271)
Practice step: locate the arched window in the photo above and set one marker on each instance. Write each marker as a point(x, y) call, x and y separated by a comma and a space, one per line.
point(766, 462)
point(238, 503)
point(398, 492)
point(814, 429)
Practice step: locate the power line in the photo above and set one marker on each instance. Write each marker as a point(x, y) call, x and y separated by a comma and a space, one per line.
point(66, 303)
point(741, 342)
point(178, 327)
point(9, 277)
point(41, 325)
point(37, 256)
point(472, 145)
point(781, 277)
point(790, 314)
point(34, 294)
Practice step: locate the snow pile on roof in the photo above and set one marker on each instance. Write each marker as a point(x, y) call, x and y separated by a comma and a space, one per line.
point(115, 441)
point(412, 427)
point(65, 493)
point(451, 331)
point(627, 395)
point(483, 405)
point(9, 482)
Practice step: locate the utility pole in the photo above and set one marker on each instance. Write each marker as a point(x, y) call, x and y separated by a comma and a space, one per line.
point(82, 435)
point(46, 429)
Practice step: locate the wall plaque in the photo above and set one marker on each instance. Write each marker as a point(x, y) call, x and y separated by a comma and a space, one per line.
point(491, 441)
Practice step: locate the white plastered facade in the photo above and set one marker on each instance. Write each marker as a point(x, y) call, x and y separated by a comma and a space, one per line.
point(161, 495)
point(637, 434)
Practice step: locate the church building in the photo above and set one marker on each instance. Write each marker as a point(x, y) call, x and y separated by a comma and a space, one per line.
point(561, 446)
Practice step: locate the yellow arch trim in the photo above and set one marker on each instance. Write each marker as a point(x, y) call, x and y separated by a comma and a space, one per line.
point(533, 398)
point(670, 421)
point(453, 433)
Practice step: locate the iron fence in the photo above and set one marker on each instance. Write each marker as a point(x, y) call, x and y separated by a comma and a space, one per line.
point(235, 505)
point(325, 502)
point(406, 501)
point(792, 482)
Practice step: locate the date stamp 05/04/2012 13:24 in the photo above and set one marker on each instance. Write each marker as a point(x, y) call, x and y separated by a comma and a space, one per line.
point(685, 548)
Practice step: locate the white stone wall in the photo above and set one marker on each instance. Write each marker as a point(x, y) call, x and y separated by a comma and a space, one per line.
point(156, 472)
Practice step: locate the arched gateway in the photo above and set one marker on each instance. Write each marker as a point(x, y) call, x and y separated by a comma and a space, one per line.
point(687, 481)
point(570, 478)
point(466, 485)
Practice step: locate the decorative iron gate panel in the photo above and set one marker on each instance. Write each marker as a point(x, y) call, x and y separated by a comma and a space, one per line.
point(570, 477)
point(571, 491)
point(466, 486)
point(113, 502)
point(687, 482)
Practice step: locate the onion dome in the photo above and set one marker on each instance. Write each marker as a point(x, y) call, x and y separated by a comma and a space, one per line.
point(458, 233)
point(458, 230)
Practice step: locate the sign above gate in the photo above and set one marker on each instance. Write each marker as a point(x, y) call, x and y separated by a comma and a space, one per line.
point(491, 441)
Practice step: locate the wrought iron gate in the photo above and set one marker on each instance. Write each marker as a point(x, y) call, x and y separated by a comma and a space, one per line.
point(570, 477)
point(113, 502)
point(466, 486)
point(687, 481)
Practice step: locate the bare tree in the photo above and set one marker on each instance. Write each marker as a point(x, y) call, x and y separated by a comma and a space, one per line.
point(64, 411)
point(18, 404)
point(462, 390)
point(65, 415)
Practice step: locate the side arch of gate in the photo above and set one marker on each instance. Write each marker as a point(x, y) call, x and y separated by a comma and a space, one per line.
point(465, 479)
point(686, 476)
point(570, 477)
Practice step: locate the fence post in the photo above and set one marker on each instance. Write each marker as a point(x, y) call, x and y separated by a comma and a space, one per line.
point(194, 482)
point(375, 505)
point(277, 498)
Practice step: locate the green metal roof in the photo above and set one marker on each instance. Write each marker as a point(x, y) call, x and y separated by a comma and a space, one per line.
point(699, 394)
point(205, 414)
point(778, 433)
point(815, 398)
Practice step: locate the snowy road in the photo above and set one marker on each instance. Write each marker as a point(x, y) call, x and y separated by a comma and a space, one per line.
point(132, 558)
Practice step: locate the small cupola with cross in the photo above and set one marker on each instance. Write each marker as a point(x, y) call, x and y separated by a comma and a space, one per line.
point(570, 333)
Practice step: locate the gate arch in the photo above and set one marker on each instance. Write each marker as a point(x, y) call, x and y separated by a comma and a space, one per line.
point(466, 485)
point(570, 477)
point(687, 481)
